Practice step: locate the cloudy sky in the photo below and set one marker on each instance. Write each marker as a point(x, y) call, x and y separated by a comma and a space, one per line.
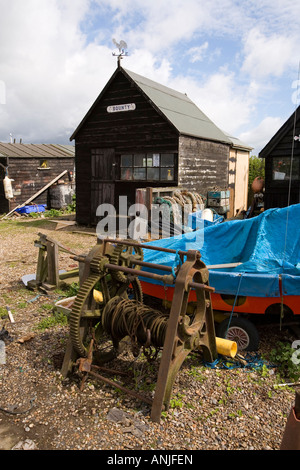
point(237, 60)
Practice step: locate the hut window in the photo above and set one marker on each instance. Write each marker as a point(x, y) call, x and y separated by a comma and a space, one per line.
point(126, 160)
point(281, 168)
point(150, 167)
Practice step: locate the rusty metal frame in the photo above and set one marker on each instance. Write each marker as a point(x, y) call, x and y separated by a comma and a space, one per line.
point(182, 338)
point(183, 335)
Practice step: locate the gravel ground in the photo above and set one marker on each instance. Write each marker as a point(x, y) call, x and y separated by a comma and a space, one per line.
point(211, 408)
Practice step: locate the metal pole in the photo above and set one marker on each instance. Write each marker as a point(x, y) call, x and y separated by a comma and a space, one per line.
point(138, 245)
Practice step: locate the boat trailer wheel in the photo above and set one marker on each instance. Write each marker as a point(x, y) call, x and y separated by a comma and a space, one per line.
point(242, 331)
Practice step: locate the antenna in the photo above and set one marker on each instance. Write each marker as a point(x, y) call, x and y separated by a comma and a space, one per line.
point(122, 46)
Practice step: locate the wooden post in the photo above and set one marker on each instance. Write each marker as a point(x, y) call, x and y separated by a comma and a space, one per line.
point(41, 270)
point(52, 260)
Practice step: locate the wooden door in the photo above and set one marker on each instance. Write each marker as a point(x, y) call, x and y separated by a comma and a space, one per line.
point(102, 179)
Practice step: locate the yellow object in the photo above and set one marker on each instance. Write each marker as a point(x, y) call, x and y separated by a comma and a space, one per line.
point(98, 296)
point(226, 347)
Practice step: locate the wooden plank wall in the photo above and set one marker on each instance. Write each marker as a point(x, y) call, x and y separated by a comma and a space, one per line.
point(276, 191)
point(140, 130)
point(28, 179)
point(83, 183)
point(203, 165)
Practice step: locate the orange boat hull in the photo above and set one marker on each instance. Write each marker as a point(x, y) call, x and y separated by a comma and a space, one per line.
point(224, 303)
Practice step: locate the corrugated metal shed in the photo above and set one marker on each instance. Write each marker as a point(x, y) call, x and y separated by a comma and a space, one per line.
point(182, 112)
point(36, 150)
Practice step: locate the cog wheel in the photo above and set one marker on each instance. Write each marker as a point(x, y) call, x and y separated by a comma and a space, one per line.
point(122, 256)
point(84, 301)
point(85, 317)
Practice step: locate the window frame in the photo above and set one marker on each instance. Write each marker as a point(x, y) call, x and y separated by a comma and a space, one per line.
point(284, 160)
point(147, 164)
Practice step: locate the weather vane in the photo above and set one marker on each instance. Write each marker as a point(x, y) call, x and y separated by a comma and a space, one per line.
point(122, 46)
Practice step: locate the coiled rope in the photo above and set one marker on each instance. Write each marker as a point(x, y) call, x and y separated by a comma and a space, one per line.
point(145, 327)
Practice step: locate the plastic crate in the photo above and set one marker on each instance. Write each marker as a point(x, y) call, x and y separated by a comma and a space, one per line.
point(32, 208)
point(218, 194)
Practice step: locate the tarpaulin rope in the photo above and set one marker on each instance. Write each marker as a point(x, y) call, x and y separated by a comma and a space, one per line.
point(177, 261)
point(233, 307)
point(250, 361)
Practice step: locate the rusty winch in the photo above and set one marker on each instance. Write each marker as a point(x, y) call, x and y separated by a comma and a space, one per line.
point(108, 312)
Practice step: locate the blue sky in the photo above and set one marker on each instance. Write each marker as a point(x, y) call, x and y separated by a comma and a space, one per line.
point(237, 60)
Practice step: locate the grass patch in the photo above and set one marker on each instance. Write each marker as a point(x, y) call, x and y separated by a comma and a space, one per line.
point(56, 318)
point(3, 312)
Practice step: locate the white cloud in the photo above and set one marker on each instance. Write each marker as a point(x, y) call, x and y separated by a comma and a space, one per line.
point(145, 63)
point(198, 53)
point(56, 56)
point(259, 136)
point(269, 55)
point(226, 103)
point(50, 73)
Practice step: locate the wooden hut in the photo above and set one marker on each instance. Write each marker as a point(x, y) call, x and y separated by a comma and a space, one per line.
point(31, 167)
point(282, 164)
point(140, 134)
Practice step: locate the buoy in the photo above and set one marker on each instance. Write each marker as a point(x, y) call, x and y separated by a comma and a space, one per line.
point(207, 214)
point(8, 188)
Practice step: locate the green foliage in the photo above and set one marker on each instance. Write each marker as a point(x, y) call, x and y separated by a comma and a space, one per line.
point(256, 168)
point(177, 401)
point(72, 207)
point(282, 357)
point(3, 312)
point(22, 304)
point(46, 307)
point(55, 212)
point(236, 414)
point(73, 289)
point(68, 290)
point(56, 318)
point(195, 372)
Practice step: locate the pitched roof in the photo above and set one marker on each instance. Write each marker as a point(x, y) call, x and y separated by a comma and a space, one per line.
point(176, 107)
point(238, 144)
point(180, 110)
point(36, 150)
point(284, 129)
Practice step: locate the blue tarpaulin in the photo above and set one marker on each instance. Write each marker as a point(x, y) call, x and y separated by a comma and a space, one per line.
point(267, 246)
point(195, 220)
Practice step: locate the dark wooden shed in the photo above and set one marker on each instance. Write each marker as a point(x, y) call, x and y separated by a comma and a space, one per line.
point(139, 134)
point(32, 167)
point(282, 165)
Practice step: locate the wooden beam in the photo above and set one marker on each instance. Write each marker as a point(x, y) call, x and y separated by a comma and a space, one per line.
point(36, 194)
